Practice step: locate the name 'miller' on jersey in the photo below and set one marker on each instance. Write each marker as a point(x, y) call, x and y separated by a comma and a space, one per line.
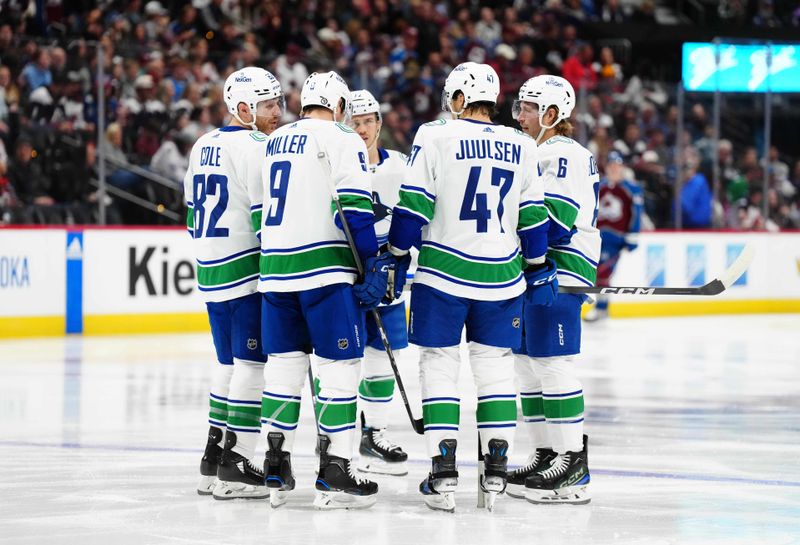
point(224, 193)
point(475, 189)
point(301, 246)
point(571, 183)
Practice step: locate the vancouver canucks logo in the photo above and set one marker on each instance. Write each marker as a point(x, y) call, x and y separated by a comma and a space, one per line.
point(252, 344)
point(515, 323)
point(343, 344)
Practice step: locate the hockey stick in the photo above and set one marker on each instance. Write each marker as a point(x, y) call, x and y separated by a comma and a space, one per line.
point(715, 287)
point(313, 400)
point(481, 497)
point(415, 423)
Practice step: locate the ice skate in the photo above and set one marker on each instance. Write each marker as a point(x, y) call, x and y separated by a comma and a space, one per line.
point(238, 477)
point(338, 487)
point(210, 462)
point(278, 473)
point(438, 489)
point(536, 462)
point(564, 481)
point(379, 454)
point(493, 480)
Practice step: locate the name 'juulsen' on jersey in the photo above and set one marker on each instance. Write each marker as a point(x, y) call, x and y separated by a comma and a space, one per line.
point(287, 144)
point(482, 149)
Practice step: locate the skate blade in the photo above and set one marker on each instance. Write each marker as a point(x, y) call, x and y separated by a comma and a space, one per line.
point(229, 490)
point(489, 499)
point(441, 502)
point(206, 485)
point(575, 495)
point(516, 491)
point(277, 498)
point(382, 467)
point(328, 500)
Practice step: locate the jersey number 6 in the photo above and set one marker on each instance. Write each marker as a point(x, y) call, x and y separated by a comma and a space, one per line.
point(475, 207)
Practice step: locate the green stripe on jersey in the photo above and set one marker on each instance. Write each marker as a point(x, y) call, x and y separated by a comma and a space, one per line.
point(532, 214)
point(574, 263)
point(417, 202)
point(562, 211)
point(358, 202)
point(190, 218)
point(317, 258)
point(532, 406)
point(488, 273)
point(255, 220)
point(216, 275)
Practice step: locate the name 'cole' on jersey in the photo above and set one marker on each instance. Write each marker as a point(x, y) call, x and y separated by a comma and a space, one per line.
point(387, 177)
point(571, 184)
point(475, 186)
point(301, 246)
point(224, 193)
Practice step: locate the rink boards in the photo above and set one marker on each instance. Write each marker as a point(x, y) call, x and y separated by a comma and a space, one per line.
point(110, 281)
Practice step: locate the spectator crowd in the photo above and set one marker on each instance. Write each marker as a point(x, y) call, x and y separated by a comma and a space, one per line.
point(163, 64)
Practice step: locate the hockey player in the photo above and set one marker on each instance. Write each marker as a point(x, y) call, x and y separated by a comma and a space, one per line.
point(224, 193)
point(309, 300)
point(552, 396)
point(618, 218)
point(387, 167)
point(472, 186)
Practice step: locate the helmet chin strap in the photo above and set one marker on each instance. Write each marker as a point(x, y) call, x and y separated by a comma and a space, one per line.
point(252, 124)
point(543, 128)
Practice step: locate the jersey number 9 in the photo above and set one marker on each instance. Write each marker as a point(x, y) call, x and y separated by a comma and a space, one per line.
point(278, 186)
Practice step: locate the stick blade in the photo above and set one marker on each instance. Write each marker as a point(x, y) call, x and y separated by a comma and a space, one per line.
point(738, 267)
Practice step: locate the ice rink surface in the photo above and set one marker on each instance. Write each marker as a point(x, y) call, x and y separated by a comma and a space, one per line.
point(694, 431)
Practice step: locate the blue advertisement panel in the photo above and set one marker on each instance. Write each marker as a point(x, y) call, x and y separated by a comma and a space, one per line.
point(696, 264)
point(656, 267)
point(738, 68)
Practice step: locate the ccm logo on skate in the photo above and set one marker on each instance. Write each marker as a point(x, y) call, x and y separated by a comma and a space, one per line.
point(636, 291)
point(157, 274)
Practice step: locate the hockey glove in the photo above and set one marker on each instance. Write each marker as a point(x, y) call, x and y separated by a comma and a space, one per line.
point(372, 288)
point(397, 278)
point(542, 283)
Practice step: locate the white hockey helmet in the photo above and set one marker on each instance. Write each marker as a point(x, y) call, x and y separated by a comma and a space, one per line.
point(546, 91)
point(478, 83)
point(325, 89)
point(250, 85)
point(364, 103)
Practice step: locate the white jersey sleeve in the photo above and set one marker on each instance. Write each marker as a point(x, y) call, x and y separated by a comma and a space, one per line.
point(219, 215)
point(387, 176)
point(572, 183)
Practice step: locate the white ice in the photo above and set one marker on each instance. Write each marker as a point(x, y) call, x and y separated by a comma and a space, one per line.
point(694, 429)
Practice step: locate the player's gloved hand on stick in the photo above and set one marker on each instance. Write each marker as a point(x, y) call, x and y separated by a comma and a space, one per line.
point(372, 288)
point(542, 283)
point(397, 279)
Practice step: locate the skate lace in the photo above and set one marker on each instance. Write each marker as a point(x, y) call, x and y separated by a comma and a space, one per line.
point(254, 468)
point(381, 441)
point(559, 465)
point(353, 475)
point(533, 461)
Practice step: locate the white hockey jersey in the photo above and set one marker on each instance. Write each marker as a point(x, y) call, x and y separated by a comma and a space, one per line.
point(224, 194)
point(387, 176)
point(572, 183)
point(475, 185)
point(301, 246)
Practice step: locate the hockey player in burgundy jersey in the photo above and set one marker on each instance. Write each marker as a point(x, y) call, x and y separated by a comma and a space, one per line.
point(618, 218)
